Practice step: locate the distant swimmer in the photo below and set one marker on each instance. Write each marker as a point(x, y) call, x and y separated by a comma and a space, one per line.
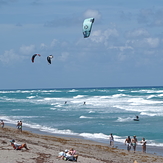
point(65, 102)
point(84, 103)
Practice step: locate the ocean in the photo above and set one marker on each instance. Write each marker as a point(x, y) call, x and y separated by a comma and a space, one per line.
point(106, 110)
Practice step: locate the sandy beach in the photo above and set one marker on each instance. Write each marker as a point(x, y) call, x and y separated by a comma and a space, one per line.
point(45, 148)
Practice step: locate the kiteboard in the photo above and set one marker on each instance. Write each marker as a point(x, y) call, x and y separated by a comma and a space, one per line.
point(136, 119)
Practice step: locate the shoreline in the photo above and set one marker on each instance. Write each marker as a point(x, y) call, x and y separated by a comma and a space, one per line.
point(45, 148)
point(156, 150)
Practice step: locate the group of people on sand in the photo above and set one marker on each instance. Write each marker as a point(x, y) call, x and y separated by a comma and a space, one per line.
point(68, 155)
point(19, 126)
point(133, 142)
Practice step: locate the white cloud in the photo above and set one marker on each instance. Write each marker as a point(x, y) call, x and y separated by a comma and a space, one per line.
point(102, 36)
point(27, 49)
point(121, 48)
point(64, 56)
point(138, 33)
point(145, 43)
point(92, 14)
point(54, 43)
point(43, 46)
point(9, 56)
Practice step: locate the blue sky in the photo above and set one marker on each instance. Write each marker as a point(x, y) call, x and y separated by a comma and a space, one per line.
point(125, 47)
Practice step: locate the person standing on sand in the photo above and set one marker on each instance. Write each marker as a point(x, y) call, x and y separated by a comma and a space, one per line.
point(2, 124)
point(17, 125)
point(128, 142)
point(20, 126)
point(111, 138)
point(134, 142)
point(143, 142)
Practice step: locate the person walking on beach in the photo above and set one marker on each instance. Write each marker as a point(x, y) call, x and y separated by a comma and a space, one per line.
point(111, 138)
point(143, 142)
point(134, 142)
point(128, 142)
point(2, 124)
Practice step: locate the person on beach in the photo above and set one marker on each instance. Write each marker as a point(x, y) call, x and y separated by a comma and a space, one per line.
point(17, 146)
point(111, 138)
point(128, 142)
point(134, 142)
point(17, 125)
point(61, 155)
point(2, 124)
point(68, 155)
point(143, 142)
point(71, 155)
point(20, 126)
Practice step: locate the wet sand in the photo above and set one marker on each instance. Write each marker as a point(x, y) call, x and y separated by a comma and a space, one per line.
point(45, 149)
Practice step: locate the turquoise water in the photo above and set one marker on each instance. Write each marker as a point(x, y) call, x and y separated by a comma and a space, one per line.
point(107, 110)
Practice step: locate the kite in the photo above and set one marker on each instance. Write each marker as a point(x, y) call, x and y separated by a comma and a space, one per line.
point(49, 59)
point(33, 57)
point(87, 26)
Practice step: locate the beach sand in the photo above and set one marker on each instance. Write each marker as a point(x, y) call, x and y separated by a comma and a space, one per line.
point(45, 149)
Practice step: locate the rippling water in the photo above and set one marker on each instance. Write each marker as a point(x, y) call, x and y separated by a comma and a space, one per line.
point(107, 110)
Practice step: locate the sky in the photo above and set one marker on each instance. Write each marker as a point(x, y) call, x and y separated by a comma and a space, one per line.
point(124, 49)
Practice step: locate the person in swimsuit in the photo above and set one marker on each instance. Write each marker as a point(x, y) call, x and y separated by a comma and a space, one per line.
point(17, 146)
point(128, 142)
point(134, 142)
point(143, 142)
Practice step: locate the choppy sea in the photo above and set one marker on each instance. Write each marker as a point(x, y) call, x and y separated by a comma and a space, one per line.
point(106, 110)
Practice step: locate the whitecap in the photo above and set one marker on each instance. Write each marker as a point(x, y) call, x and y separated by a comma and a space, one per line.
point(85, 117)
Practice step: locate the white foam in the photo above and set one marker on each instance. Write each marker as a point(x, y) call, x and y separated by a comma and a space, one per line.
point(30, 97)
point(79, 96)
point(128, 119)
point(73, 90)
point(85, 117)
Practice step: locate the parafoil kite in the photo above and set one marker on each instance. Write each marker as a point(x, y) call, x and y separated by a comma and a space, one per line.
point(49, 58)
point(87, 26)
point(33, 57)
